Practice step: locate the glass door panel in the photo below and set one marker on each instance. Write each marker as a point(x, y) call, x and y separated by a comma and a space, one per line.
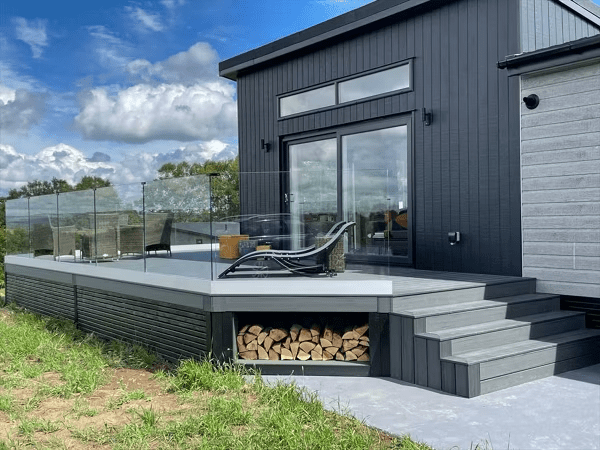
point(375, 191)
point(313, 189)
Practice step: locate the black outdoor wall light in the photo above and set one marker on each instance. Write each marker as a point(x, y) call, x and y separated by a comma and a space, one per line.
point(265, 145)
point(454, 237)
point(426, 117)
point(531, 101)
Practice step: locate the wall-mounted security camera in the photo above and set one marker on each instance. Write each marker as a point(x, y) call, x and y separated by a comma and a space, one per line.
point(454, 237)
point(531, 101)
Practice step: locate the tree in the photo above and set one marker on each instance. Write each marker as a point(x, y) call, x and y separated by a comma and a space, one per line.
point(92, 182)
point(225, 186)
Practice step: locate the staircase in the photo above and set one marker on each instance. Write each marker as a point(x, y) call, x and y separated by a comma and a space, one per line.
point(475, 341)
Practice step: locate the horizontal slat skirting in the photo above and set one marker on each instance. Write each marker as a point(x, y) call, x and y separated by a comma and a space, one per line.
point(42, 297)
point(118, 330)
point(591, 306)
point(192, 320)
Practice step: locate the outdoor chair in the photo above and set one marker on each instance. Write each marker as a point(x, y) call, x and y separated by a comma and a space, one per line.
point(293, 260)
point(158, 234)
point(46, 239)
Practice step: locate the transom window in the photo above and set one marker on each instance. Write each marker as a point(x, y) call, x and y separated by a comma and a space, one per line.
point(372, 84)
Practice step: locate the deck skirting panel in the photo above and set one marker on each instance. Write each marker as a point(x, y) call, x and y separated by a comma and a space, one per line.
point(173, 331)
point(41, 296)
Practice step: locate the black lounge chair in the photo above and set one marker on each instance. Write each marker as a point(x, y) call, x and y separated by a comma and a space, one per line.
point(291, 259)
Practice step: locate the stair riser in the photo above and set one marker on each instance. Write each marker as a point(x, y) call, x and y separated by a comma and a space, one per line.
point(512, 335)
point(525, 361)
point(489, 292)
point(502, 311)
point(536, 373)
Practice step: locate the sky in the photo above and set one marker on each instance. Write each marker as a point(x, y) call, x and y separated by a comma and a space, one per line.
point(117, 88)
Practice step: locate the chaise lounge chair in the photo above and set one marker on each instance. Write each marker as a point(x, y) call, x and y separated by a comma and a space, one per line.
point(291, 260)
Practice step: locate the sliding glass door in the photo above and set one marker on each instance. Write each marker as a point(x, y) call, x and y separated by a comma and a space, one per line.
point(359, 174)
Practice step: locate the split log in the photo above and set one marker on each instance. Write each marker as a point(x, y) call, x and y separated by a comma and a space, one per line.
point(307, 346)
point(325, 343)
point(249, 337)
point(316, 356)
point(250, 354)
point(350, 335)
point(255, 329)
point(328, 334)
point(350, 344)
point(359, 350)
point(277, 348)
point(262, 353)
point(277, 334)
point(273, 356)
point(364, 357)
point(339, 356)
point(305, 335)
point(336, 340)
point(268, 343)
point(295, 331)
point(261, 337)
point(294, 347)
point(252, 345)
point(302, 355)
point(287, 342)
point(286, 354)
point(315, 330)
point(244, 329)
point(240, 341)
point(362, 330)
point(327, 356)
point(350, 356)
point(332, 350)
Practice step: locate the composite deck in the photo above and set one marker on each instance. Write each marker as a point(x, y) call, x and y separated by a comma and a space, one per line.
point(466, 334)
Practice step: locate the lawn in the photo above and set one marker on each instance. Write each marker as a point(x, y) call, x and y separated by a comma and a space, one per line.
point(62, 389)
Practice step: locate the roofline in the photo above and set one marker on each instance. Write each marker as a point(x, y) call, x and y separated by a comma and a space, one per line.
point(351, 22)
point(317, 34)
point(567, 53)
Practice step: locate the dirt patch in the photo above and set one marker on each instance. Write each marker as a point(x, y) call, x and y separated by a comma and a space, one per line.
point(110, 406)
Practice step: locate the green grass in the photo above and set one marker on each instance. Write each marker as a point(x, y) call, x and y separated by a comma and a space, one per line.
point(222, 406)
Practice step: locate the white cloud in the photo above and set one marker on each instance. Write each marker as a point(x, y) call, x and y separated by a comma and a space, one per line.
point(68, 163)
point(143, 113)
point(32, 33)
point(110, 48)
point(61, 161)
point(145, 19)
point(20, 109)
point(197, 63)
point(170, 4)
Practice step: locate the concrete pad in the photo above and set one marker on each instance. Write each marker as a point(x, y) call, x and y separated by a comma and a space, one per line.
point(559, 412)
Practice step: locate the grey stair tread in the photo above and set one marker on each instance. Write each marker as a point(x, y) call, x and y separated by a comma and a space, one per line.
point(497, 325)
point(504, 351)
point(472, 306)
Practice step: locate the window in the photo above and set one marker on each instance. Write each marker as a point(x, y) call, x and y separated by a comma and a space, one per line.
point(376, 83)
point(307, 101)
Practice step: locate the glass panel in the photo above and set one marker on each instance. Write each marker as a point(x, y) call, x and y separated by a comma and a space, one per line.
point(17, 227)
point(44, 226)
point(375, 190)
point(178, 229)
point(313, 190)
point(307, 101)
point(375, 84)
point(74, 210)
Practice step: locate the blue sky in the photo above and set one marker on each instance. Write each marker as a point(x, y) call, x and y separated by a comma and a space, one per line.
point(117, 88)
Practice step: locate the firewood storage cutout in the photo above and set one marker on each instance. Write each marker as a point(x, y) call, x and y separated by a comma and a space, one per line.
point(316, 343)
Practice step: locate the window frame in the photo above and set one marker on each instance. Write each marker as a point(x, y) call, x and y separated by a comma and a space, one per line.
point(336, 83)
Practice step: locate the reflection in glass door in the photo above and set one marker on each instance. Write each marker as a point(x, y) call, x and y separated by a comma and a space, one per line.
point(313, 189)
point(375, 191)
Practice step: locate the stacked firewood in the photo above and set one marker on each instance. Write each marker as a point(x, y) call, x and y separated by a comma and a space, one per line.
point(299, 343)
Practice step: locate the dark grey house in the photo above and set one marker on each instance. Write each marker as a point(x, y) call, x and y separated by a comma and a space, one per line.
point(400, 106)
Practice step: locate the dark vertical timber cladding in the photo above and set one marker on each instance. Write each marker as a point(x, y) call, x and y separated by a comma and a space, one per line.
point(379, 335)
point(396, 335)
point(222, 336)
point(466, 164)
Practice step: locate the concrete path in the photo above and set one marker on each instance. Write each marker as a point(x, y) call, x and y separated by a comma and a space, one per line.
point(559, 412)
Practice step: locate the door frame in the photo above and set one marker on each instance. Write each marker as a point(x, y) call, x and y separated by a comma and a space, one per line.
point(337, 133)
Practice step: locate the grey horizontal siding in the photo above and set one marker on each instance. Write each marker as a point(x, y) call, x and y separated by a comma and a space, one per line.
point(561, 181)
point(545, 23)
point(41, 296)
point(173, 331)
